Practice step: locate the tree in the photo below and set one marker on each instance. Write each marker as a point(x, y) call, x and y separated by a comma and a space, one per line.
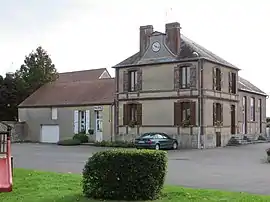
point(36, 71)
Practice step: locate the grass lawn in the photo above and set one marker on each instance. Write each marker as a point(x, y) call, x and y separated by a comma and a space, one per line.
point(36, 186)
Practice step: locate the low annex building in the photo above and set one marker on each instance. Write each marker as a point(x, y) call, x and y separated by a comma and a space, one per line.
point(77, 102)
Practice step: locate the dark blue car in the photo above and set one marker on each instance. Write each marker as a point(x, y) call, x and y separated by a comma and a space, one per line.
point(155, 140)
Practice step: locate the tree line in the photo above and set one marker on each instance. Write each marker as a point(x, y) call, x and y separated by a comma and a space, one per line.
point(36, 70)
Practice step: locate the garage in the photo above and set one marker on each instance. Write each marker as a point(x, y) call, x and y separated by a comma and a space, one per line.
point(49, 134)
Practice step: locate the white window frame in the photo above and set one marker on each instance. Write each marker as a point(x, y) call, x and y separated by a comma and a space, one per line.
point(133, 80)
point(54, 113)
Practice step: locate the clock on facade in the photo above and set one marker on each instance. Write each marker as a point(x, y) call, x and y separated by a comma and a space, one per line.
point(156, 46)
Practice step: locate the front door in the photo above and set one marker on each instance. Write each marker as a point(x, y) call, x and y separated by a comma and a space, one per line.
point(233, 119)
point(99, 127)
point(218, 139)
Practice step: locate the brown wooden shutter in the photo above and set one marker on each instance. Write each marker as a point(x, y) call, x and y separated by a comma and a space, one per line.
point(193, 113)
point(125, 81)
point(230, 82)
point(176, 78)
point(193, 77)
point(139, 114)
point(139, 80)
point(214, 78)
point(125, 114)
point(214, 114)
point(221, 114)
point(177, 114)
point(234, 82)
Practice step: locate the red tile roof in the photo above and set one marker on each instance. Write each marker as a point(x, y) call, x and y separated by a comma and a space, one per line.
point(74, 89)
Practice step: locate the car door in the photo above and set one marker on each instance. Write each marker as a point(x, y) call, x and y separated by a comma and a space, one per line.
point(167, 140)
point(161, 140)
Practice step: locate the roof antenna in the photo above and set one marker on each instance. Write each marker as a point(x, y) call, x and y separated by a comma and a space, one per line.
point(168, 15)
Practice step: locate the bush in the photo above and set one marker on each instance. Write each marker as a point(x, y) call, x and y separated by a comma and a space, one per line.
point(82, 137)
point(125, 174)
point(118, 144)
point(262, 138)
point(69, 142)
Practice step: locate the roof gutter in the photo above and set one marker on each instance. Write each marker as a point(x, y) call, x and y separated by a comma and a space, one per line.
point(177, 61)
point(253, 92)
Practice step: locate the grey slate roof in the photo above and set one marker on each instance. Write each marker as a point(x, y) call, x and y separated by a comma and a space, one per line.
point(245, 85)
point(188, 47)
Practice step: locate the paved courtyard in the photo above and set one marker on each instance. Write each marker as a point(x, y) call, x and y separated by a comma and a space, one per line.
point(233, 168)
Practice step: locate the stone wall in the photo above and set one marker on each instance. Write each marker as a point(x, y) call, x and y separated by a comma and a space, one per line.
point(18, 132)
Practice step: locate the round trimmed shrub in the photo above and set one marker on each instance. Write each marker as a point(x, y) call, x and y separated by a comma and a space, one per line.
point(69, 142)
point(82, 137)
point(125, 174)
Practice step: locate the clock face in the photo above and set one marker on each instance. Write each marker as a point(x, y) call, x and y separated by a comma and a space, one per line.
point(156, 46)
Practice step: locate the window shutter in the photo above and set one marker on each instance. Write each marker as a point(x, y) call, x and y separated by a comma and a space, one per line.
point(125, 114)
point(139, 114)
point(125, 81)
point(214, 78)
point(177, 113)
point(193, 76)
point(176, 78)
point(76, 121)
point(234, 82)
point(193, 113)
point(87, 121)
point(139, 80)
point(230, 82)
point(214, 113)
point(221, 114)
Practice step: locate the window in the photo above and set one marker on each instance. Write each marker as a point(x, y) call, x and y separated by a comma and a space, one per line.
point(132, 114)
point(260, 113)
point(132, 78)
point(54, 113)
point(82, 121)
point(217, 78)
point(252, 109)
point(184, 77)
point(217, 114)
point(185, 113)
point(232, 82)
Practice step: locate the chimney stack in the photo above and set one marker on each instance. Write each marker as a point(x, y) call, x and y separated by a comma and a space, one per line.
point(173, 39)
point(145, 32)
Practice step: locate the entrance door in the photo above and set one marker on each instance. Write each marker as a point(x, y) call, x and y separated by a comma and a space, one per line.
point(218, 139)
point(99, 127)
point(233, 119)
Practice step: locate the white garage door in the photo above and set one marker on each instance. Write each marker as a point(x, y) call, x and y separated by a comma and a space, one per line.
point(49, 133)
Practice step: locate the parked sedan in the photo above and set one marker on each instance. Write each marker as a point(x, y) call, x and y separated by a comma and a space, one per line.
point(155, 140)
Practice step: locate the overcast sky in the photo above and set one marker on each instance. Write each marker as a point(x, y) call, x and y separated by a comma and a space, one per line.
point(87, 34)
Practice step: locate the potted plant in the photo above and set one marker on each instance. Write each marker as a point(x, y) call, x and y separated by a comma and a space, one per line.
point(132, 124)
point(268, 154)
point(186, 123)
point(218, 123)
point(91, 131)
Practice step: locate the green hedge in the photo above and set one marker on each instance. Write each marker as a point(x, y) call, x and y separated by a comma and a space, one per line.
point(69, 142)
point(125, 174)
point(119, 144)
point(82, 137)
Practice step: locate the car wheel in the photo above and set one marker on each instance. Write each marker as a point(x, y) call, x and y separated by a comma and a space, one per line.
point(175, 145)
point(157, 147)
